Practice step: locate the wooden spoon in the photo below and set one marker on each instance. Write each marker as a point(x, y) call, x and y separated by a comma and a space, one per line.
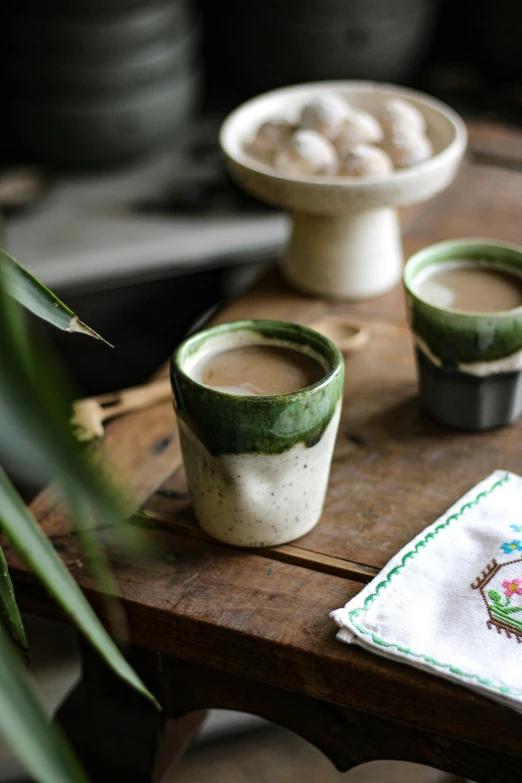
point(348, 335)
point(90, 413)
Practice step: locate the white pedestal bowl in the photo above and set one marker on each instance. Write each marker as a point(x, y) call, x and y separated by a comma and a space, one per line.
point(346, 239)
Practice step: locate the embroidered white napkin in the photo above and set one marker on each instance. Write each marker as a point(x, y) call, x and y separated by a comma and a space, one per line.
point(450, 602)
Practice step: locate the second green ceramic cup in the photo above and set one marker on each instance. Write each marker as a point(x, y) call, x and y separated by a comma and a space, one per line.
point(469, 364)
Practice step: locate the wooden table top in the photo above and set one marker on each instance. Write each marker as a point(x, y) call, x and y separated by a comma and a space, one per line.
point(264, 614)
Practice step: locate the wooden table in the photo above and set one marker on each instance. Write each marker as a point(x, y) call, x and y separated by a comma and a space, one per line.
point(211, 626)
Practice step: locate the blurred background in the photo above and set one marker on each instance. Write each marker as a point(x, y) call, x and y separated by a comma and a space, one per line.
point(113, 193)
point(111, 183)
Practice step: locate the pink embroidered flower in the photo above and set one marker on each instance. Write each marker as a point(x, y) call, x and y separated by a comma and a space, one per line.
point(512, 586)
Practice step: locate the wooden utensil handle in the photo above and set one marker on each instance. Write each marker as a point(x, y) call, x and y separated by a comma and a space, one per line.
point(137, 398)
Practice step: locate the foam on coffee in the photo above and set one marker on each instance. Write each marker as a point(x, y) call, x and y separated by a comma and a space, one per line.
point(469, 286)
point(258, 370)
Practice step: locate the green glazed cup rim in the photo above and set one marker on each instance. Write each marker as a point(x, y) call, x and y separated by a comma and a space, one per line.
point(502, 254)
point(295, 335)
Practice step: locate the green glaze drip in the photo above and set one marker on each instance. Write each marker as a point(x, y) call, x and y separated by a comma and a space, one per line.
point(235, 424)
point(469, 340)
point(456, 337)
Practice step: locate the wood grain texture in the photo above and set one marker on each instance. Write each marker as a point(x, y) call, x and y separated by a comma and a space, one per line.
point(268, 621)
point(394, 470)
point(347, 737)
point(496, 144)
point(263, 616)
point(485, 201)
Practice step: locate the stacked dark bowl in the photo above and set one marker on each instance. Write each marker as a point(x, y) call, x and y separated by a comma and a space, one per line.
point(270, 43)
point(98, 82)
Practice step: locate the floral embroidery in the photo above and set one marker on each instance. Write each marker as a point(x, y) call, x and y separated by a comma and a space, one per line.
point(511, 546)
point(504, 614)
point(516, 528)
point(512, 586)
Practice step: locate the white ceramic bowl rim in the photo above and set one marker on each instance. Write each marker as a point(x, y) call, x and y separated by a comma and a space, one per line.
point(228, 136)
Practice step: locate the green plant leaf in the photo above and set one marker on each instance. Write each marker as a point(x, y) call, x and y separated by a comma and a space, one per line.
point(36, 550)
point(9, 612)
point(35, 436)
point(39, 745)
point(34, 433)
point(36, 297)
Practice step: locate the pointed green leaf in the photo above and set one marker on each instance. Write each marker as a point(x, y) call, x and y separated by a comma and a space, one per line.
point(38, 744)
point(9, 612)
point(35, 434)
point(37, 298)
point(33, 546)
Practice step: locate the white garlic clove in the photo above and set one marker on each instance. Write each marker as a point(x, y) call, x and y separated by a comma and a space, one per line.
point(307, 152)
point(359, 128)
point(407, 149)
point(398, 116)
point(325, 114)
point(269, 137)
point(365, 160)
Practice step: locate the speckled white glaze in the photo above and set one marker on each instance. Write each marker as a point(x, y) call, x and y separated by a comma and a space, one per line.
point(257, 466)
point(255, 500)
point(344, 262)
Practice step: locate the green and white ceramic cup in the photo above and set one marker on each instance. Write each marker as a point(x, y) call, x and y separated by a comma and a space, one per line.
point(469, 364)
point(257, 467)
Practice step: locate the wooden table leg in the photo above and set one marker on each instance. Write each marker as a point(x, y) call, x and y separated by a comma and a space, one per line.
point(176, 737)
point(117, 734)
point(347, 737)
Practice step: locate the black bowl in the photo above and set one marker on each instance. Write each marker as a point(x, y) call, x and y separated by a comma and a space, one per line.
point(85, 9)
point(96, 132)
point(325, 13)
point(266, 56)
point(105, 36)
point(141, 66)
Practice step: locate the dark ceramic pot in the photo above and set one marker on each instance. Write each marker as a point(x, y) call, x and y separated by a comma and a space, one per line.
point(83, 8)
point(95, 132)
point(302, 13)
point(142, 66)
point(101, 83)
point(269, 44)
point(469, 364)
point(379, 52)
point(100, 36)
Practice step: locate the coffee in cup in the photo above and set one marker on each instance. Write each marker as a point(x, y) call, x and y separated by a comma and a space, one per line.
point(259, 370)
point(258, 406)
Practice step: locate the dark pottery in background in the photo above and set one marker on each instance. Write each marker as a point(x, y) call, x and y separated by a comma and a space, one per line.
point(278, 42)
point(148, 64)
point(469, 364)
point(72, 8)
point(103, 86)
point(325, 12)
point(109, 130)
point(97, 35)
